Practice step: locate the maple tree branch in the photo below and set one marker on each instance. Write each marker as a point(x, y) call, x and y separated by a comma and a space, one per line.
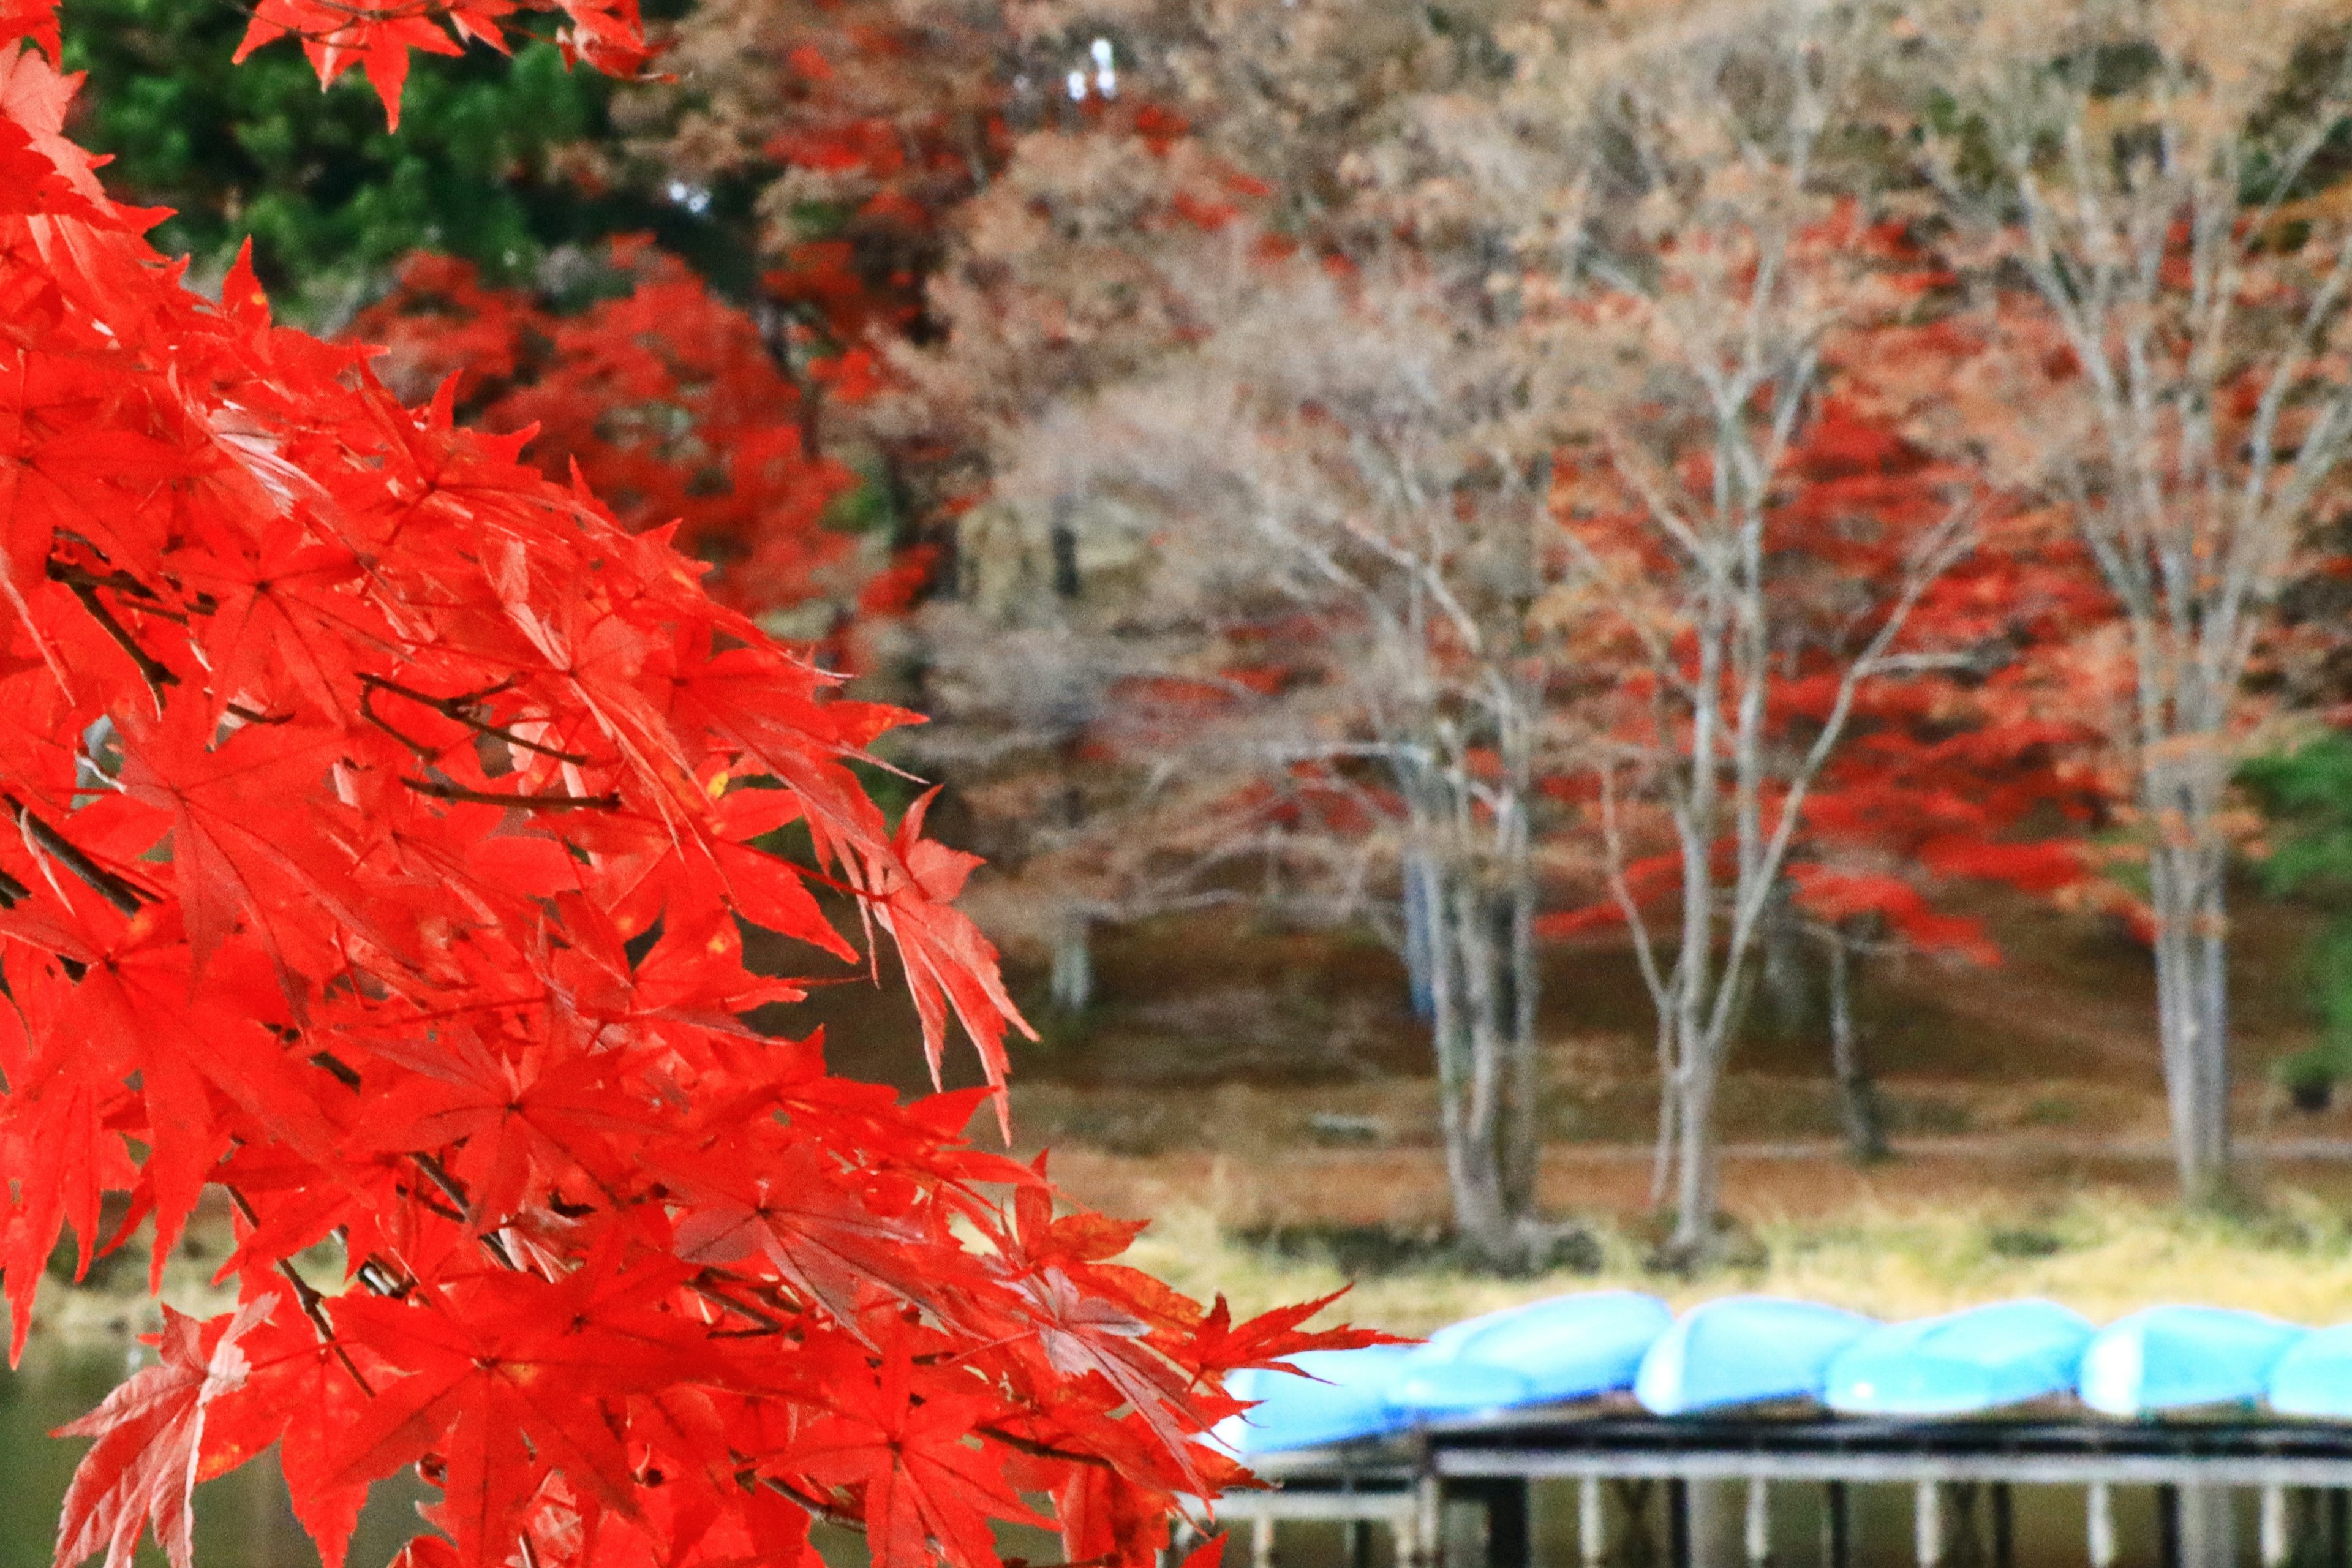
point(121, 581)
point(459, 709)
point(123, 894)
point(609, 801)
point(816, 1505)
point(1030, 1446)
point(379, 1278)
point(306, 1296)
point(417, 749)
point(451, 1187)
point(154, 671)
point(702, 1287)
point(455, 1191)
point(313, 1307)
point(342, 1071)
point(254, 716)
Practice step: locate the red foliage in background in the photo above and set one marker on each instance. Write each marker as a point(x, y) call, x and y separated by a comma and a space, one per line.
point(1967, 753)
point(1961, 769)
point(387, 816)
point(664, 398)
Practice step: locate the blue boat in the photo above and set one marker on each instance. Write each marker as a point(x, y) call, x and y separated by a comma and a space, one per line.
point(1742, 1350)
point(1570, 1347)
point(1980, 1359)
point(2176, 1358)
point(1341, 1399)
point(2314, 1377)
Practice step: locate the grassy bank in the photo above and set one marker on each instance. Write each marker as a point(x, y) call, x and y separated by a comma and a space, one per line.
point(2105, 1253)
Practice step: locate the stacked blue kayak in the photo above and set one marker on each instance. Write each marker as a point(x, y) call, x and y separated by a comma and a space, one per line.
point(1961, 1364)
point(2182, 1358)
point(1761, 1351)
point(1568, 1348)
point(2313, 1377)
point(1549, 1353)
point(1340, 1398)
point(1744, 1349)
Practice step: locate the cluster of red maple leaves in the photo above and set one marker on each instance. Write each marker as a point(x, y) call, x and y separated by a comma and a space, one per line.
point(385, 817)
point(664, 399)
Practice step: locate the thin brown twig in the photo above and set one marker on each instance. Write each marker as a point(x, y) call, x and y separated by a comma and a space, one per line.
point(307, 1297)
point(123, 894)
point(455, 1191)
point(609, 801)
point(254, 716)
point(416, 748)
point(433, 1206)
point(154, 671)
point(460, 710)
point(1041, 1450)
point(342, 1070)
point(709, 1293)
point(438, 1175)
point(817, 1506)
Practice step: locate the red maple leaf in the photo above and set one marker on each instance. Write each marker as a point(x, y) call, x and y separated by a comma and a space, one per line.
point(507, 1379)
point(142, 1469)
point(825, 1243)
point(381, 818)
point(927, 1492)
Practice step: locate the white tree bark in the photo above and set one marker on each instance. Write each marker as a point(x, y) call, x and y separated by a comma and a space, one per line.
point(1469, 840)
point(1858, 1107)
point(1719, 262)
point(2204, 404)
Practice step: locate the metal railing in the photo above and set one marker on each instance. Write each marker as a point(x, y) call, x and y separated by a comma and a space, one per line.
point(1625, 1468)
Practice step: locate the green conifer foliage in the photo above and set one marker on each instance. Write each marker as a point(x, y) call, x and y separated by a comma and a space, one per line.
point(330, 197)
point(2307, 794)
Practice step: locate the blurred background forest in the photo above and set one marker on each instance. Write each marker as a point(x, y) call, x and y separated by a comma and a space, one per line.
point(1582, 635)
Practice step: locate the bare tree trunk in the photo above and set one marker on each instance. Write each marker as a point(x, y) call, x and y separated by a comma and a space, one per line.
point(1697, 1173)
point(1523, 1140)
point(1487, 1220)
point(1483, 988)
point(2185, 885)
point(1072, 981)
point(1858, 1109)
point(1785, 979)
point(1471, 1175)
point(1689, 988)
point(1420, 954)
point(1662, 1145)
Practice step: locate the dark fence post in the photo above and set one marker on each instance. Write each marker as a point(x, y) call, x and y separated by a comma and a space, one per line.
point(1837, 1525)
point(1507, 1543)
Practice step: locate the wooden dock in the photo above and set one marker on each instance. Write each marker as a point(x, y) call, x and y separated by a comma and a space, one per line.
point(1703, 1474)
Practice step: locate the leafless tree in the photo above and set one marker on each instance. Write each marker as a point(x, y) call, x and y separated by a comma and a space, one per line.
point(1722, 265)
point(2147, 165)
point(1345, 466)
point(1244, 612)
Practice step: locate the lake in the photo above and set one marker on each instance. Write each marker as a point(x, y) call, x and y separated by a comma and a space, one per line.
point(242, 1520)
